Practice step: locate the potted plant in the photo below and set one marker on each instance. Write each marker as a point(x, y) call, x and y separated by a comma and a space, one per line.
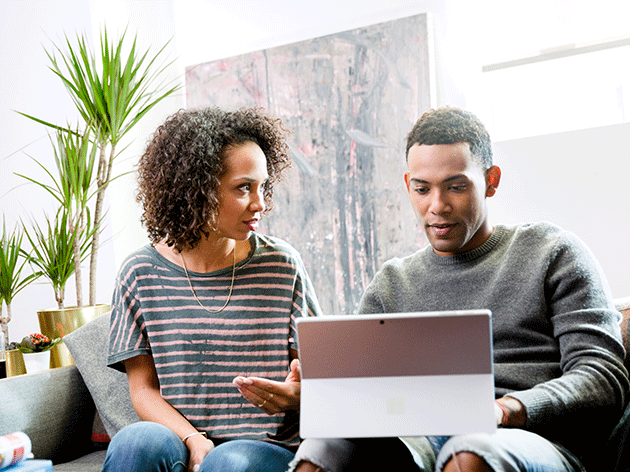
point(59, 250)
point(37, 348)
point(59, 246)
point(12, 262)
point(112, 92)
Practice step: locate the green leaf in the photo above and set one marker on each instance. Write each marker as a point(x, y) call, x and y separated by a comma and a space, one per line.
point(11, 264)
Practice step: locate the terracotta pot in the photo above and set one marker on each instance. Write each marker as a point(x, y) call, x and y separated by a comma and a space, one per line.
point(56, 323)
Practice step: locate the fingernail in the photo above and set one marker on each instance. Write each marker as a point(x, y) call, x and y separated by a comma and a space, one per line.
point(195, 467)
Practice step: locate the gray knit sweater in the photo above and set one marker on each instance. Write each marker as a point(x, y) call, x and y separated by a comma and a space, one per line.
point(557, 342)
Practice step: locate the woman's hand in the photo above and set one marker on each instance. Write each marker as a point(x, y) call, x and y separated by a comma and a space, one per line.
point(199, 448)
point(148, 402)
point(270, 396)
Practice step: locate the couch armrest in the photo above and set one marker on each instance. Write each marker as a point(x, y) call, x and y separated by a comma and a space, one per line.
point(54, 408)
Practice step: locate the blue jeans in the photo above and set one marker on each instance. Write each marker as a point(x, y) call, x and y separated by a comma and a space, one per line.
point(507, 450)
point(151, 447)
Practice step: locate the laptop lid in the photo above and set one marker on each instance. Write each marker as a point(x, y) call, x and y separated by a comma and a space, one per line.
point(400, 374)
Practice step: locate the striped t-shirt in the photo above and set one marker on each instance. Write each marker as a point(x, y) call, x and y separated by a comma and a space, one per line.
point(197, 354)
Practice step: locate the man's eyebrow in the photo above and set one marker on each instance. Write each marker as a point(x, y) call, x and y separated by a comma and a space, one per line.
point(446, 180)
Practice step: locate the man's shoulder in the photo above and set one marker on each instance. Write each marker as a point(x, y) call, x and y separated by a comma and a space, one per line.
point(540, 228)
point(405, 263)
point(536, 232)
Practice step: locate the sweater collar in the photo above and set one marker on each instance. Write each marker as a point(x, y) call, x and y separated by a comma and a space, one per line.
point(471, 255)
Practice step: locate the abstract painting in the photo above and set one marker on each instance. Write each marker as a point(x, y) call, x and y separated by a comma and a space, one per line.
point(349, 100)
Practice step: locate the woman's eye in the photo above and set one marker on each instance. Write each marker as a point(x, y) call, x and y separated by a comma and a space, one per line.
point(245, 187)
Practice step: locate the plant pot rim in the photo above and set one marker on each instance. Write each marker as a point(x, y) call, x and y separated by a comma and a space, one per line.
point(98, 305)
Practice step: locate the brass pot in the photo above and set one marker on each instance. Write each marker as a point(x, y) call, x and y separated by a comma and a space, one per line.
point(15, 363)
point(56, 323)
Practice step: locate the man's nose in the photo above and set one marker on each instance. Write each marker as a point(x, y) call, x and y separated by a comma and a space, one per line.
point(439, 203)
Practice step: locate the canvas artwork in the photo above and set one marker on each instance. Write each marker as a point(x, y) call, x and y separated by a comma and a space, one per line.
point(349, 100)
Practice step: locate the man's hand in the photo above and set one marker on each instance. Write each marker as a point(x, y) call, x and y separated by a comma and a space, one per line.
point(270, 396)
point(516, 414)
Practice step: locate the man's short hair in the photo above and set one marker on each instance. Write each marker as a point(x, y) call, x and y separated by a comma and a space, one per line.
point(451, 125)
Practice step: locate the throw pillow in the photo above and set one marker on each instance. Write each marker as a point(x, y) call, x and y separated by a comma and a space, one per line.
point(108, 387)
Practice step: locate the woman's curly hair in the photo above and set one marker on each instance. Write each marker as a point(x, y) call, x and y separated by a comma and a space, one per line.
point(178, 174)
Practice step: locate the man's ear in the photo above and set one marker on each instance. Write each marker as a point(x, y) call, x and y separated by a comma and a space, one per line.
point(493, 178)
point(407, 181)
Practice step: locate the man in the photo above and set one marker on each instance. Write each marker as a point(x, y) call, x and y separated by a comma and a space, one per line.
point(559, 376)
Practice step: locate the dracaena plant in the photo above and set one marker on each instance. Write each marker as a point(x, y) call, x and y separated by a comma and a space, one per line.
point(72, 187)
point(52, 250)
point(12, 282)
point(112, 90)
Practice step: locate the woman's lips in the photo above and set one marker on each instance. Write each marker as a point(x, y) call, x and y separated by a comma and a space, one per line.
point(252, 224)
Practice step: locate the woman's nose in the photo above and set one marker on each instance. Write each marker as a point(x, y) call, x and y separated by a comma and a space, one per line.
point(257, 203)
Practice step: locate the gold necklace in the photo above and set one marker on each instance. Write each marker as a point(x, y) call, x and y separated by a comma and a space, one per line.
point(193, 290)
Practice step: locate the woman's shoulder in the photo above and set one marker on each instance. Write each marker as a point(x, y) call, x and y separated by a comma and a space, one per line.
point(276, 250)
point(270, 244)
point(141, 259)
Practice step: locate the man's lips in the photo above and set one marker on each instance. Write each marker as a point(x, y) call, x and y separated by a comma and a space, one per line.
point(441, 229)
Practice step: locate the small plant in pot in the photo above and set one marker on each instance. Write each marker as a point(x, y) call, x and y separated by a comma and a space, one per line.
point(36, 342)
point(36, 350)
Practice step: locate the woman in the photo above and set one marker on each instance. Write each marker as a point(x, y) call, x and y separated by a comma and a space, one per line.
point(203, 318)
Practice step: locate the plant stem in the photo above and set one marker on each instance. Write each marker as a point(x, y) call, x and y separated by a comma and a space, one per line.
point(77, 272)
point(4, 322)
point(104, 176)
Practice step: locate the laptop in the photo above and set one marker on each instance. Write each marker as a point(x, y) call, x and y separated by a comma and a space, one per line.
point(396, 374)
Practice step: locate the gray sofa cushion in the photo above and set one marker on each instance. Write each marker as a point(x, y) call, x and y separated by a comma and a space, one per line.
point(89, 463)
point(108, 387)
point(53, 408)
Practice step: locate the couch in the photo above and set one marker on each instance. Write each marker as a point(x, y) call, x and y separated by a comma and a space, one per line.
point(71, 412)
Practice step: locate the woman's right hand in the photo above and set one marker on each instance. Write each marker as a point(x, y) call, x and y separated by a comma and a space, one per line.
point(199, 448)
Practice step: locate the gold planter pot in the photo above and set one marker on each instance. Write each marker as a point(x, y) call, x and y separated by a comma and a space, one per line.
point(56, 323)
point(15, 363)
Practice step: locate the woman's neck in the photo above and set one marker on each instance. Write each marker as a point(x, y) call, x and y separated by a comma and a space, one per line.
point(209, 255)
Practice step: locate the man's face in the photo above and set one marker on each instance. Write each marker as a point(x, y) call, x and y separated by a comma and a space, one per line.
point(448, 189)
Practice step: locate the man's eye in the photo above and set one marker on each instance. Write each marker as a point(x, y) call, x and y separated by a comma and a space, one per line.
point(421, 190)
point(459, 188)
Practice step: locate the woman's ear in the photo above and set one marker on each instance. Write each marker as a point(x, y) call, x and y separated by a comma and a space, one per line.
point(493, 177)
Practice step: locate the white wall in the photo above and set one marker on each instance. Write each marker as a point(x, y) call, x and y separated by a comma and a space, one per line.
point(467, 35)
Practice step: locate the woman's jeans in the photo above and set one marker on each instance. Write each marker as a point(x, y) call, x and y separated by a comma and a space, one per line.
point(147, 446)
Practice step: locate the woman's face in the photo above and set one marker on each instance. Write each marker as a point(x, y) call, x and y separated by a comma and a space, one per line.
point(241, 199)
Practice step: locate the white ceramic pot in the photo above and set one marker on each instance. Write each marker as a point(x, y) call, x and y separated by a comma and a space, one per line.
point(36, 361)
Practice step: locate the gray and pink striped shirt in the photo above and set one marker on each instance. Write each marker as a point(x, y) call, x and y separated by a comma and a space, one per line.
point(197, 354)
